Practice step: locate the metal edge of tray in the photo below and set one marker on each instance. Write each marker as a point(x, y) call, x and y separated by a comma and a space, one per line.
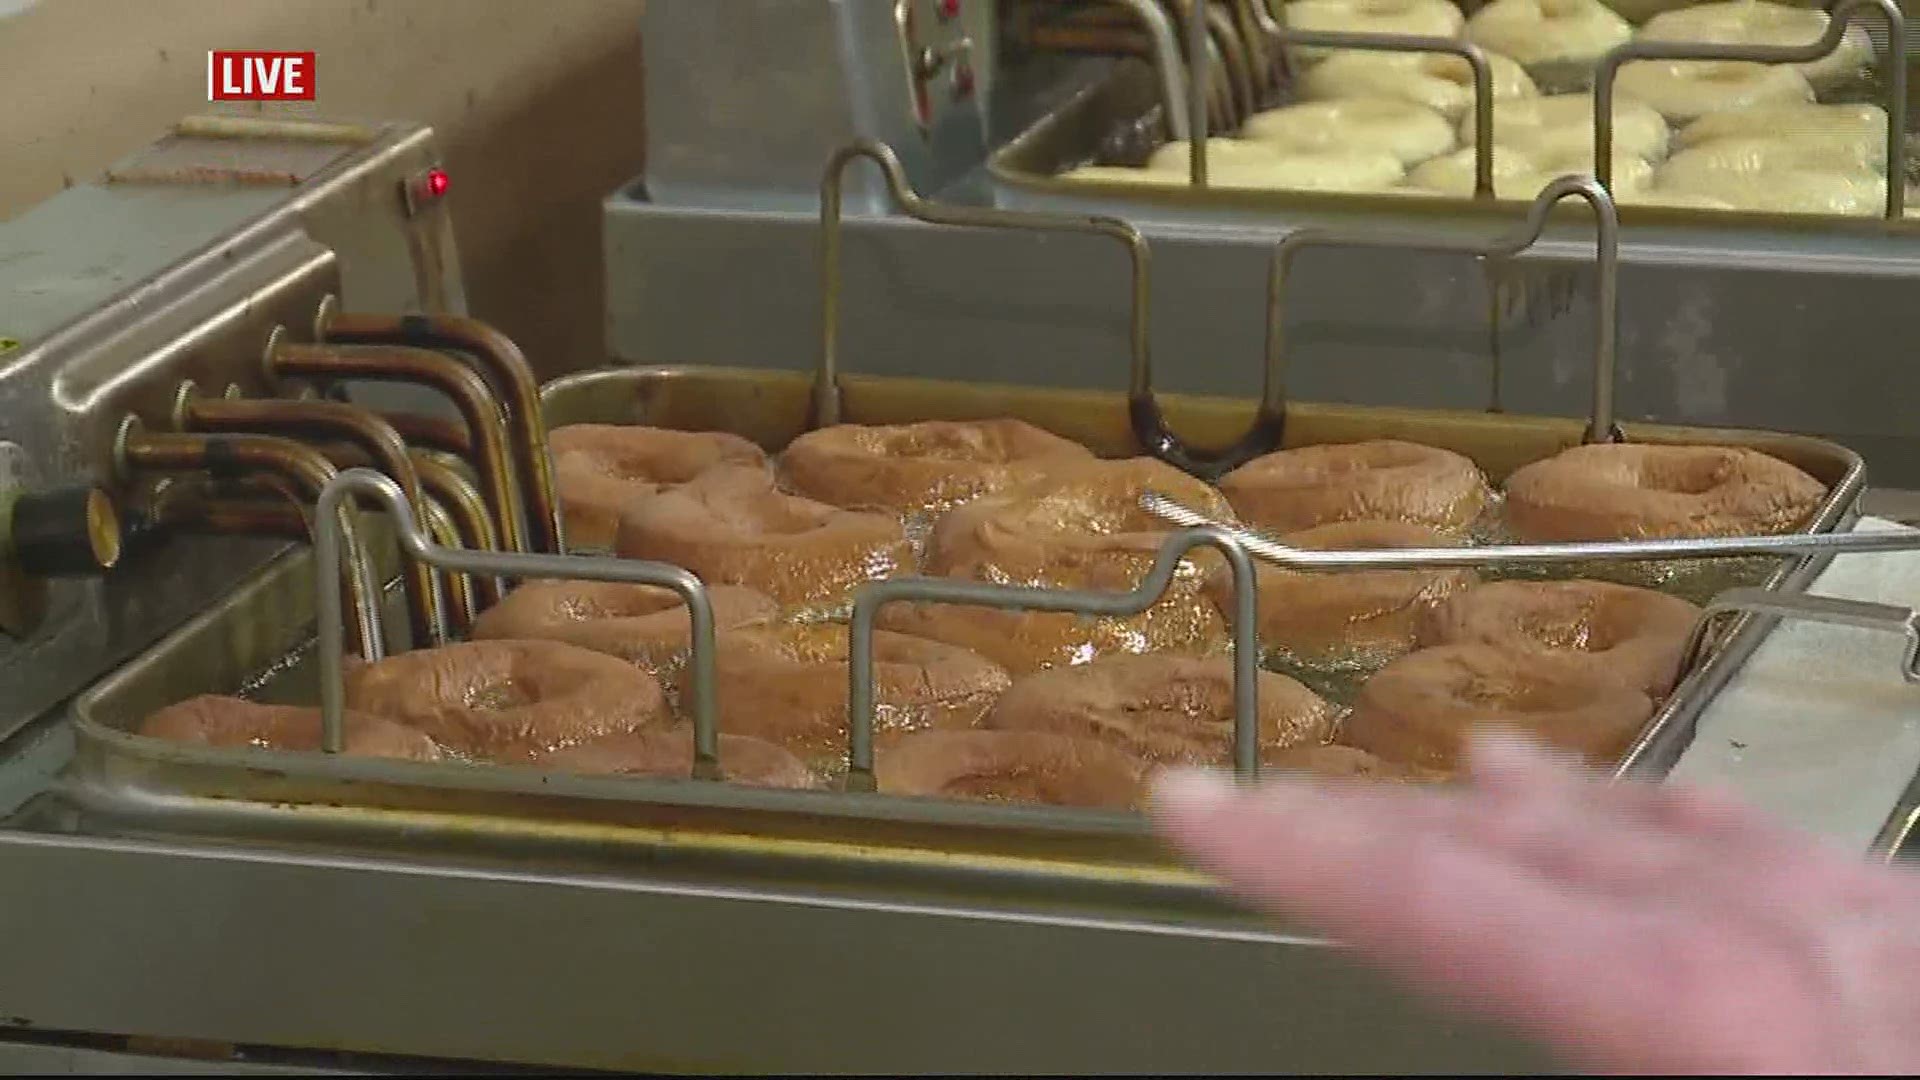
point(122, 774)
point(1070, 135)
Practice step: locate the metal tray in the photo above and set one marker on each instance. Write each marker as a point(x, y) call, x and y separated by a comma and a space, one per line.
point(267, 621)
point(1119, 119)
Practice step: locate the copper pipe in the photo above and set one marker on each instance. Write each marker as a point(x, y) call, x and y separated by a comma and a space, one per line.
point(495, 354)
point(431, 432)
point(279, 461)
point(422, 367)
point(446, 489)
point(315, 420)
point(456, 494)
point(457, 587)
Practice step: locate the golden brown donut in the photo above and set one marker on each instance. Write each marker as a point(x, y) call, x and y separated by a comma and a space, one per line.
point(788, 685)
point(1313, 615)
point(509, 701)
point(732, 526)
point(644, 624)
point(1377, 480)
point(1078, 527)
point(1337, 762)
point(1630, 635)
point(1011, 766)
point(668, 752)
point(1168, 710)
point(1613, 491)
point(1420, 708)
point(598, 467)
point(908, 468)
point(216, 720)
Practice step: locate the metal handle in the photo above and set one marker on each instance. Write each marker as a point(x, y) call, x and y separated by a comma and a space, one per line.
point(1475, 57)
point(870, 598)
point(388, 497)
point(1845, 13)
point(1268, 430)
point(1269, 550)
point(1833, 610)
point(826, 388)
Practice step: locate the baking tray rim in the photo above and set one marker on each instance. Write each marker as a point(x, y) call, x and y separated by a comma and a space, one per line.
point(113, 756)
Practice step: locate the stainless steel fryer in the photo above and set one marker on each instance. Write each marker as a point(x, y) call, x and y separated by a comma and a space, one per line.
point(699, 928)
point(1739, 321)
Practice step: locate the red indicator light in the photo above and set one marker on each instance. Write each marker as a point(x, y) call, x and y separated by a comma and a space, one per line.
point(437, 183)
point(949, 9)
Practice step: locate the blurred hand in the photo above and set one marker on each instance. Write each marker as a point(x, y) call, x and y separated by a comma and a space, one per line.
point(1631, 927)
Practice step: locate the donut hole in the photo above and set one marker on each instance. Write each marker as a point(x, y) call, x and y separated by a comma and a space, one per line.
point(501, 693)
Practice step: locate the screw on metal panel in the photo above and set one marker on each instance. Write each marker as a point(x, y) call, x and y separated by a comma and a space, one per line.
point(185, 392)
point(323, 315)
point(129, 426)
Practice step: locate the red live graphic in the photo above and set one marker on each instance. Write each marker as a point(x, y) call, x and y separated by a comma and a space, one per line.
point(259, 76)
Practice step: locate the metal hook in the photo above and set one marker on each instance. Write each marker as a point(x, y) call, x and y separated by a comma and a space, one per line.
point(826, 387)
point(1268, 430)
point(388, 498)
point(1246, 643)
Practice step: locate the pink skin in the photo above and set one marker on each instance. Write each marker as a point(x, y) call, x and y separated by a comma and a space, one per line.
point(1631, 927)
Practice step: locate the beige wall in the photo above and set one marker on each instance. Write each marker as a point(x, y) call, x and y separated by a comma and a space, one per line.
point(537, 103)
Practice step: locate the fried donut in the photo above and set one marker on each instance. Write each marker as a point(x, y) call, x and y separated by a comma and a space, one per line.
point(1543, 32)
point(1436, 81)
point(1080, 527)
point(732, 526)
point(598, 467)
point(1410, 133)
point(1630, 635)
point(644, 624)
point(1336, 762)
point(1612, 491)
point(909, 468)
point(509, 701)
point(1376, 480)
point(1758, 22)
point(668, 752)
point(1421, 708)
point(1011, 766)
point(1864, 122)
point(1316, 617)
point(1683, 90)
point(1559, 125)
point(1803, 152)
point(1168, 710)
point(788, 685)
point(1423, 18)
point(216, 720)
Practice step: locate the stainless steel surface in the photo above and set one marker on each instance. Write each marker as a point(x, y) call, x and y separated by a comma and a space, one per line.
point(1245, 625)
point(652, 970)
point(1845, 14)
point(827, 393)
